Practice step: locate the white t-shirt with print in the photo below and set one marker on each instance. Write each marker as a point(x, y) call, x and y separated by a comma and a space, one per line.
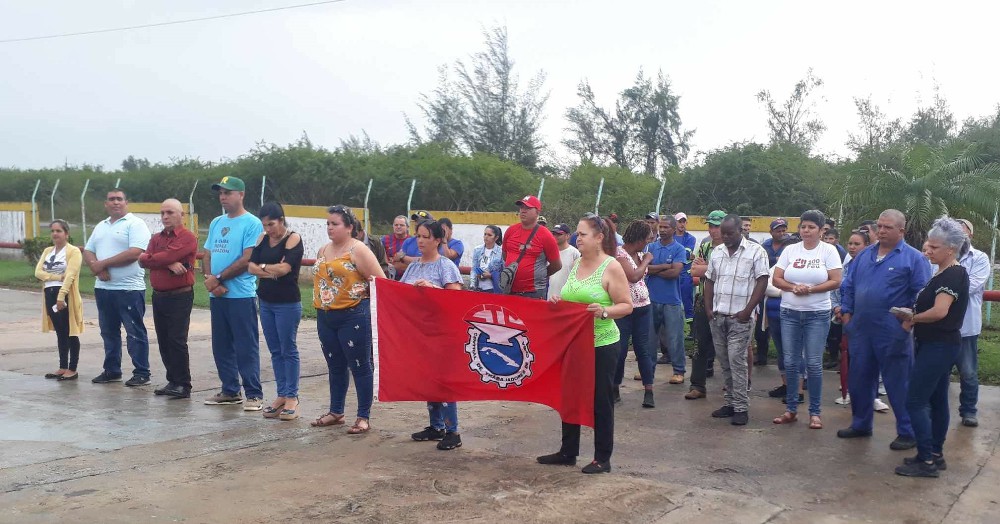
point(558, 279)
point(809, 267)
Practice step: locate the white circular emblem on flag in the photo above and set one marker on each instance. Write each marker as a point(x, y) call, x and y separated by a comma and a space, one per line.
point(497, 346)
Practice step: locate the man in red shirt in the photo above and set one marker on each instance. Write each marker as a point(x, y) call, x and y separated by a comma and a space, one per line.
point(170, 260)
point(394, 244)
point(541, 255)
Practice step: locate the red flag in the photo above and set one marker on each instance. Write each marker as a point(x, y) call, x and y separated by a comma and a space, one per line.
point(443, 345)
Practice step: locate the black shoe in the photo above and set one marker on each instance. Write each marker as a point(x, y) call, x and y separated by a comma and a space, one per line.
point(647, 399)
point(663, 360)
point(451, 440)
point(723, 412)
point(802, 398)
point(616, 395)
point(557, 459)
point(163, 390)
point(597, 467)
point(918, 469)
point(709, 373)
point(760, 362)
point(778, 392)
point(967, 420)
point(105, 378)
point(136, 380)
point(428, 433)
point(938, 461)
point(64, 378)
point(176, 391)
point(853, 433)
point(903, 443)
point(740, 418)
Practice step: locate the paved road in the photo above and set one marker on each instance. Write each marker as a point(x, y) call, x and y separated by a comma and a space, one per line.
point(107, 453)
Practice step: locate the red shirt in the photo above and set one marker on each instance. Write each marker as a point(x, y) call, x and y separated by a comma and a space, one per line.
point(532, 272)
point(165, 248)
point(393, 244)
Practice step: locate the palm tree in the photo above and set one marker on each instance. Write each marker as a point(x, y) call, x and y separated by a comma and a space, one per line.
point(925, 183)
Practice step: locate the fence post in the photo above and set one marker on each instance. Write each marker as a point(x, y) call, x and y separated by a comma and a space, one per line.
point(34, 209)
point(367, 219)
point(541, 187)
point(52, 199)
point(118, 182)
point(993, 254)
point(597, 205)
point(409, 199)
point(83, 209)
point(191, 208)
point(263, 186)
point(659, 197)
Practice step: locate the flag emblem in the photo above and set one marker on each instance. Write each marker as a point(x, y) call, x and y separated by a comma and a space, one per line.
point(497, 346)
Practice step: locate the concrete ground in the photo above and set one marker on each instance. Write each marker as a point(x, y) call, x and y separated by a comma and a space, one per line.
point(108, 453)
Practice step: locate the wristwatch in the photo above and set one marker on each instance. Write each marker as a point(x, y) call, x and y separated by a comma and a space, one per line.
point(218, 277)
point(604, 314)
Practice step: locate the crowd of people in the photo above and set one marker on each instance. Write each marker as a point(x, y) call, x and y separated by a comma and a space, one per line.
point(881, 311)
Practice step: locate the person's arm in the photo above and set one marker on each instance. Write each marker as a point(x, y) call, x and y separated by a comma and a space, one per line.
point(979, 273)
point(176, 251)
point(633, 275)
point(833, 277)
point(942, 303)
point(617, 287)
point(760, 286)
point(448, 252)
point(709, 298)
point(74, 260)
point(253, 265)
point(778, 280)
point(551, 249)
point(920, 274)
point(366, 262)
point(40, 273)
point(138, 240)
point(847, 291)
point(292, 258)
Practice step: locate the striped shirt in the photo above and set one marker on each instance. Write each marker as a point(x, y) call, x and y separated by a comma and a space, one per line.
point(735, 276)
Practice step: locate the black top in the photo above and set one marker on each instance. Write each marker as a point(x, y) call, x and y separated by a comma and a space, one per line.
point(954, 281)
point(284, 289)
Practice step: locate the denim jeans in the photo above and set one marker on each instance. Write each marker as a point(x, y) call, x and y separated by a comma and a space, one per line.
point(280, 323)
point(236, 345)
point(637, 326)
point(345, 336)
point(927, 398)
point(444, 415)
point(803, 340)
point(968, 370)
point(117, 308)
point(671, 317)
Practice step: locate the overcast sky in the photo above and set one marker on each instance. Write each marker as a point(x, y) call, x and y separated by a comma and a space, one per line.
point(212, 89)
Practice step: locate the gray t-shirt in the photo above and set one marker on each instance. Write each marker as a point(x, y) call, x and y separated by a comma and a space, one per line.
point(440, 272)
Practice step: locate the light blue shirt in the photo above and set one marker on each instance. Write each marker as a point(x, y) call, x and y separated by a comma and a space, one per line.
point(110, 239)
point(978, 265)
point(227, 238)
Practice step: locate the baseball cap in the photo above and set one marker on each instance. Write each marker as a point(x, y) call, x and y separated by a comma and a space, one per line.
point(562, 228)
point(230, 183)
point(542, 220)
point(968, 224)
point(421, 215)
point(715, 217)
point(778, 222)
point(652, 215)
point(530, 201)
point(680, 216)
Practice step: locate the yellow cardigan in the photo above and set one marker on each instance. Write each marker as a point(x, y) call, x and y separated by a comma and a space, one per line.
point(70, 288)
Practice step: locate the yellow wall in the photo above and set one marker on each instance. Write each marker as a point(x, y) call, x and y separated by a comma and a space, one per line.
point(30, 219)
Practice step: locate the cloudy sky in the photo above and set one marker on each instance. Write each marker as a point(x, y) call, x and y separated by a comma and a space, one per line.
point(212, 89)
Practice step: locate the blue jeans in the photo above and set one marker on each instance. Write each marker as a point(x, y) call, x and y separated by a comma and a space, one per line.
point(671, 317)
point(639, 327)
point(236, 345)
point(117, 308)
point(927, 398)
point(345, 336)
point(444, 415)
point(280, 323)
point(968, 370)
point(803, 339)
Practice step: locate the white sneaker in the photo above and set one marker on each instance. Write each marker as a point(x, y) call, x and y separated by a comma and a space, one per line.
point(881, 389)
point(881, 407)
point(843, 401)
point(253, 404)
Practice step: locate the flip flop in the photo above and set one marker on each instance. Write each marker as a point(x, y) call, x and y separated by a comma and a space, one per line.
point(319, 423)
point(785, 418)
point(815, 422)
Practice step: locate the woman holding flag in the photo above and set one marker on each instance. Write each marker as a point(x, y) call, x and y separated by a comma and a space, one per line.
point(601, 284)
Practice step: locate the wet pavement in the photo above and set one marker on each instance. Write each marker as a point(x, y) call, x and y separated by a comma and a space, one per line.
point(108, 453)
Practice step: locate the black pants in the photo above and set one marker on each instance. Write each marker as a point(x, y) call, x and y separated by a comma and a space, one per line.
point(833, 341)
point(69, 347)
point(172, 318)
point(761, 337)
point(704, 356)
point(605, 362)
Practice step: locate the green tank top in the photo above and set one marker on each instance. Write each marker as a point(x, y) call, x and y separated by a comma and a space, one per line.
point(589, 291)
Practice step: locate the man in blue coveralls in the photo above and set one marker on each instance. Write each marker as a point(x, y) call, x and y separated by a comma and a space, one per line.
point(886, 274)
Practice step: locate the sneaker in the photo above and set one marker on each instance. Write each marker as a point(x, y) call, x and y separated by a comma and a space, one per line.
point(843, 401)
point(723, 412)
point(740, 418)
point(903, 443)
point(918, 469)
point(881, 389)
point(451, 440)
point(105, 378)
point(677, 378)
point(253, 404)
point(223, 399)
point(969, 421)
point(694, 394)
point(136, 380)
point(880, 406)
point(597, 467)
point(428, 433)
point(557, 459)
point(647, 399)
point(778, 392)
point(938, 461)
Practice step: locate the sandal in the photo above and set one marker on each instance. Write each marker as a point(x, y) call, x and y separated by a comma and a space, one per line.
point(815, 422)
point(360, 426)
point(289, 413)
point(785, 418)
point(327, 419)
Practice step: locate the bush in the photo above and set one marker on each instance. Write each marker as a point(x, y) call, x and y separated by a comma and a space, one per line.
point(33, 248)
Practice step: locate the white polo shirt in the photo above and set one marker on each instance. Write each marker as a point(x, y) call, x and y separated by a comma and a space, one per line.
point(109, 239)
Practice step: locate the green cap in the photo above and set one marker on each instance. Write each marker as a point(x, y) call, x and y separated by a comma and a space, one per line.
point(231, 183)
point(715, 217)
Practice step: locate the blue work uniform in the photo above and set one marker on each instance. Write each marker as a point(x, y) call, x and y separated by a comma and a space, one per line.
point(877, 341)
point(685, 282)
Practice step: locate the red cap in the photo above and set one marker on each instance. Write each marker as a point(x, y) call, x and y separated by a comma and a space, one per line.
point(530, 201)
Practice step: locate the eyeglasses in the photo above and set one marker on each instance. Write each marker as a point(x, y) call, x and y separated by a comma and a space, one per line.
point(596, 221)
